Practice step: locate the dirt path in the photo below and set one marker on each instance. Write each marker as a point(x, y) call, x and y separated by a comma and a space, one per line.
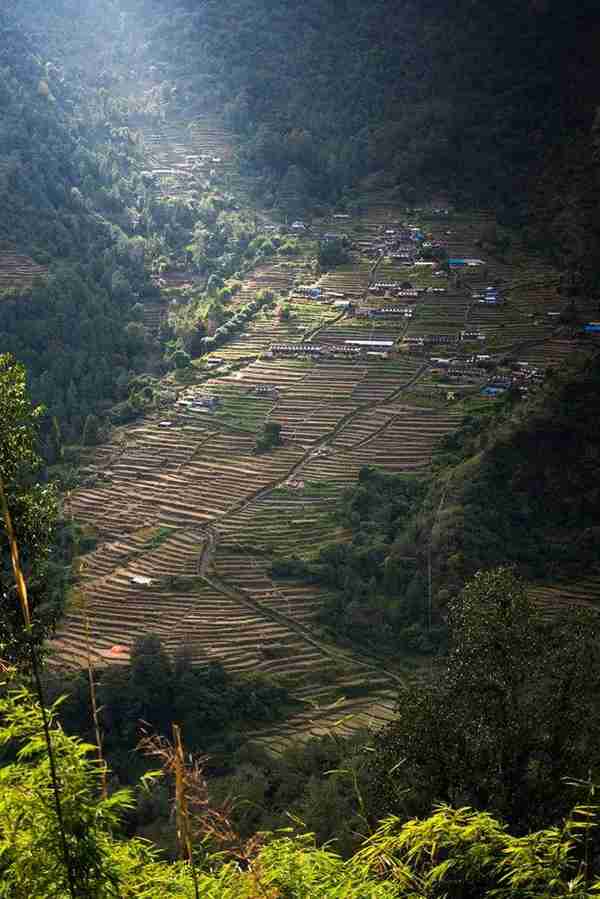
point(338, 655)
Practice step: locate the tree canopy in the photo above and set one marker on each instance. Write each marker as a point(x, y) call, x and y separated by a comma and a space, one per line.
point(33, 509)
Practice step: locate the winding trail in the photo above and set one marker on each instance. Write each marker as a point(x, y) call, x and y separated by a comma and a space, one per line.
point(338, 655)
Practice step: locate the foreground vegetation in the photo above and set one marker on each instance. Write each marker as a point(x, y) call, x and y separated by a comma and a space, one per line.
point(454, 852)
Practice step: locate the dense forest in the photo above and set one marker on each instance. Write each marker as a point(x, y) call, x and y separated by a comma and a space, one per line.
point(76, 198)
point(492, 107)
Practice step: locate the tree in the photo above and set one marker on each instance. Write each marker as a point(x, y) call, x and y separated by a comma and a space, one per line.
point(270, 437)
point(137, 312)
point(150, 683)
point(502, 726)
point(137, 336)
point(332, 253)
point(53, 449)
point(181, 359)
point(91, 430)
point(453, 853)
point(33, 509)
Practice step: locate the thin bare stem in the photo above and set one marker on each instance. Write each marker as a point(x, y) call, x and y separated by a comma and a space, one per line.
point(184, 829)
point(95, 711)
point(24, 602)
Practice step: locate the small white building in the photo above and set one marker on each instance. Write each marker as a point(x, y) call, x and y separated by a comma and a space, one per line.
point(371, 344)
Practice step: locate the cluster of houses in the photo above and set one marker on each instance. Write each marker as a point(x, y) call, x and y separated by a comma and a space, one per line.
point(400, 242)
point(523, 377)
point(348, 348)
point(198, 402)
point(268, 391)
point(394, 312)
point(379, 288)
point(436, 339)
point(471, 366)
point(488, 296)
point(314, 292)
point(310, 291)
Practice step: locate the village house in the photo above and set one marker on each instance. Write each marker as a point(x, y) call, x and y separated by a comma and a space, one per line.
point(461, 263)
point(492, 391)
point(199, 403)
point(391, 312)
point(439, 338)
point(343, 304)
point(204, 401)
point(383, 286)
point(307, 291)
point(296, 349)
point(266, 390)
point(336, 349)
point(387, 345)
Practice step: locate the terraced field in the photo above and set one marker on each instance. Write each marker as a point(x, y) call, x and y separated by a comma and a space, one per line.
point(18, 271)
point(189, 518)
point(583, 593)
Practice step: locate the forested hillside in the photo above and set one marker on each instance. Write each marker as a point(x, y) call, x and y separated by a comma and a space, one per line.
point(68, 191)
point(456, 100)
point(490, 106)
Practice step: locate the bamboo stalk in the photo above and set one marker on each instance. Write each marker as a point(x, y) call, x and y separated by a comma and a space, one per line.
point(95, 712)
point(24, 602)
point(184, 829)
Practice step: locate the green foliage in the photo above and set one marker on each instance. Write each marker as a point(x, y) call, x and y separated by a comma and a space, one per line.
point(453, 853)
point(332, 253)
point(181, 359)
point(523, 488)
point(371, 603)
point(68, 190)
point(270, 438)
point(33, 509)
point(501, 726)
point(211, 706)
point(91, 431)
point(32, 861)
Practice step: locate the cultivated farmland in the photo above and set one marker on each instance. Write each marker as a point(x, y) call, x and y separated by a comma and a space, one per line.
point(189, 518)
